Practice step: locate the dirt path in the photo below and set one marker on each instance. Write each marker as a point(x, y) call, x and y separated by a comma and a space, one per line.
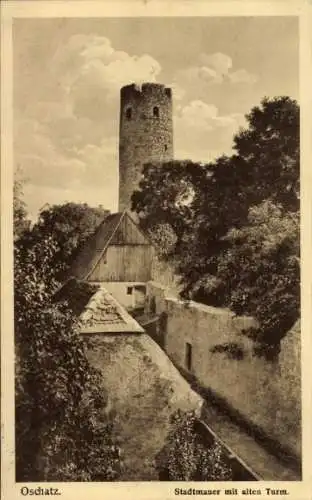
point(257, 457)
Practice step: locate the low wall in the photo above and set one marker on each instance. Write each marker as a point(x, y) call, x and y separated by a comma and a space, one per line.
point(156, 295)
point(164, 273)
point(209, 343)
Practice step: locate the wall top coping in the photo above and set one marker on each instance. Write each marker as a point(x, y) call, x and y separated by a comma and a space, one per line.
point(190, 304)
point(157, 285)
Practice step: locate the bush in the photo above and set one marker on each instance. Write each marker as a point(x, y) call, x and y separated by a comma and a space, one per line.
point(232, 350)
point(186, 458)
point(62, 433)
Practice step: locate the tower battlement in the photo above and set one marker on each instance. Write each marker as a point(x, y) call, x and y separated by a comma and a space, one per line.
point(134, 89)
point(145, 133)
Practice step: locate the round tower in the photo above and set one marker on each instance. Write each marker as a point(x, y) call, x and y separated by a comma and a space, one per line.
point(145, 133)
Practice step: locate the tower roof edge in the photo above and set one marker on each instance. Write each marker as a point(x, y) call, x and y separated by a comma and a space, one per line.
point(144, 87)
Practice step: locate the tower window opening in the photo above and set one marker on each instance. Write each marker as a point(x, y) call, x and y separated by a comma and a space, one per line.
point(166, 147)
point(128, 113)
point(156, 111)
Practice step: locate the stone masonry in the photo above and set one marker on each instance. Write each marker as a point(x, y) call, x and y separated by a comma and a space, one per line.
point(145, 135)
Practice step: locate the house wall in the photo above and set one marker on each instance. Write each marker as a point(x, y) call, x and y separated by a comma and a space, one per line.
point(119, 290)
point(267, 394)
point(128, 233)
point(124, 263)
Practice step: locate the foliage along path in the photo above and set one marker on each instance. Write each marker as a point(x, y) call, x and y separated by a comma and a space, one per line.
point(244, 445)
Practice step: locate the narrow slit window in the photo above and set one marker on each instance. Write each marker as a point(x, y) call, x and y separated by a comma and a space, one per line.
point(166, 147)
point(128, 113)
point(153, 305)
point(188, 356)
point(156, 111)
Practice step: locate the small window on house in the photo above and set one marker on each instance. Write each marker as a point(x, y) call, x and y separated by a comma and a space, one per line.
point(128, 113)
point(156, 111)
point(188, 356)
point(129, 290)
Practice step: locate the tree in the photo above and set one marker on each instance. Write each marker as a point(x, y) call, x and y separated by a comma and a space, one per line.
point(69, 225)
point(260, 271)
point(20, 220)
point(62, 431)
point(165, 194)
point(270, 147)
point(206, 204)
point(247, 233)
point(164, 239)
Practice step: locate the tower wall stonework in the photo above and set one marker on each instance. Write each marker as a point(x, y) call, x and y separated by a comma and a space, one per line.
point(145, 133)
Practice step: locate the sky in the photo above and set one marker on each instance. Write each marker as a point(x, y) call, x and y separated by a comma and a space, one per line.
point(68, 73)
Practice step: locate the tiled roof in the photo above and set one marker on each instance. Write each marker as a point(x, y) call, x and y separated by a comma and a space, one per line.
point(104, 314)
point(98, 310)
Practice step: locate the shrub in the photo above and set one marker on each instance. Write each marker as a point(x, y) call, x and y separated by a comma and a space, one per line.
point(232, 350)
point(62, 433)
point(186, 458)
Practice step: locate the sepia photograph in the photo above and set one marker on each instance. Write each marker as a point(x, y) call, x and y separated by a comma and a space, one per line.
point(156, 241)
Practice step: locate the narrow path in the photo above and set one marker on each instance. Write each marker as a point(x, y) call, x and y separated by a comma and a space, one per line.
point(266, 465)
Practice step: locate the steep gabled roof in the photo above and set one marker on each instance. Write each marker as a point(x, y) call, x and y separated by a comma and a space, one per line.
point(97, 244)
point(97, 309)
point(103, 314)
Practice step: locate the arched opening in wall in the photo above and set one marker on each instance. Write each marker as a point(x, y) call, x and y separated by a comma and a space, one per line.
point(166, 147)
point(128, 113)
point(156, 111)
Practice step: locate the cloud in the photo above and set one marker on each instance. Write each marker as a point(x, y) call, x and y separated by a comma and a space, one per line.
point(42, 162)
point(219, 62)
point(213, 69)
point(66, 134)
point(93, 195)
point(91, 72)
point(198, 114)
point(242, 76)
point(50, 168)
point(178, 93)
point(202, 133)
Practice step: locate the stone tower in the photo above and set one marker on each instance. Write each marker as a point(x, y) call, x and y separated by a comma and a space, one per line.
point(145, 133)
